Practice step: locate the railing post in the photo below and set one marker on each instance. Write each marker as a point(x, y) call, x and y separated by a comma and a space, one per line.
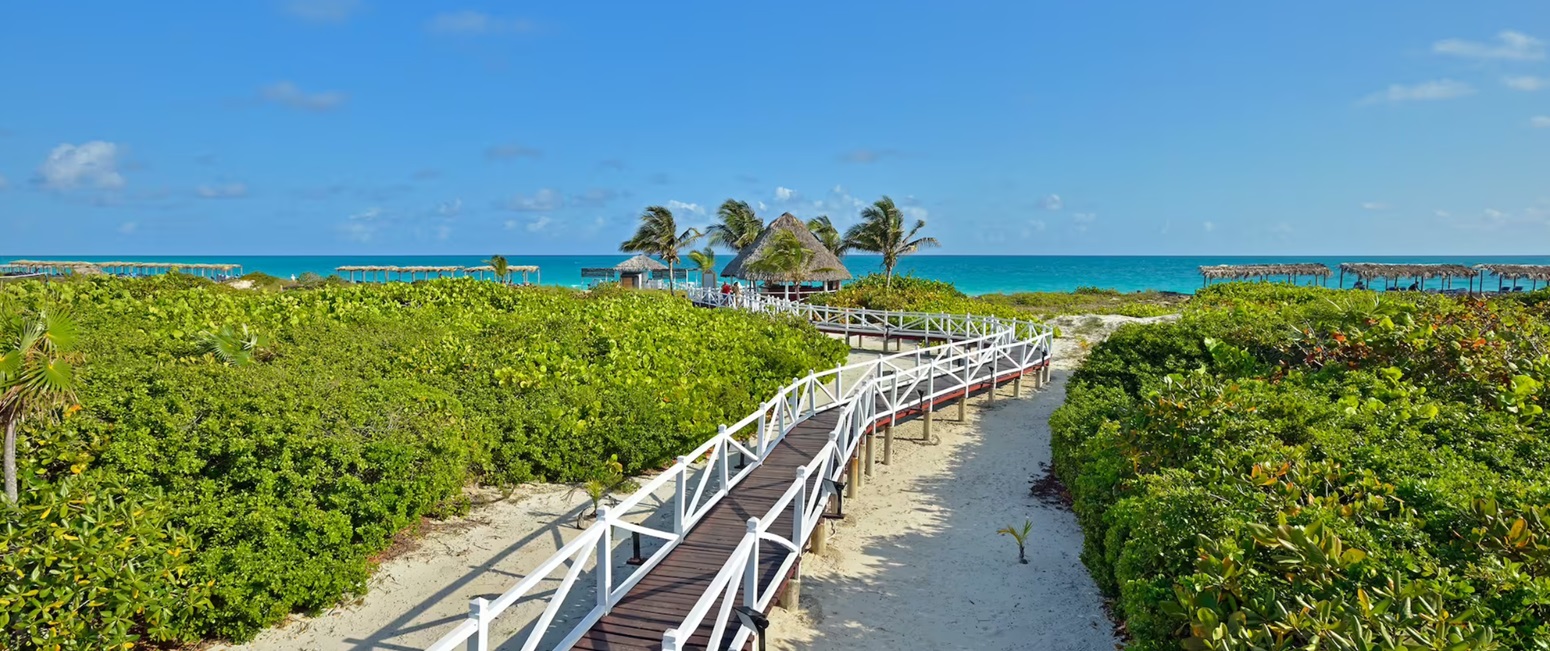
point(751, 570)
point(670, 640)
point(799, 512)
point(764, 427)
point(839, 383)
point(605, 560)
point(812, 392)
point(479, 611)
point(721, 461)
point(681, 497)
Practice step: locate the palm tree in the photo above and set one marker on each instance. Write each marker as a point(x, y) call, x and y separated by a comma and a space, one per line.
point(787, 258)
point(705, 261)
point(739, 225)
point(35, 376)
point(658, 235)
point(882, 231)
point(499, 265)
point(832, 239)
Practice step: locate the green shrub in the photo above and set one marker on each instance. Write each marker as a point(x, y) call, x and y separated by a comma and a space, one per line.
point(371, 407)
point(1306, 468)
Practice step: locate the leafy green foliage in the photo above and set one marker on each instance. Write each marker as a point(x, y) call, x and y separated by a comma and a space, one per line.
point(1091, 300)
point(1291, 468)
point(380, 403)
point(236, 347)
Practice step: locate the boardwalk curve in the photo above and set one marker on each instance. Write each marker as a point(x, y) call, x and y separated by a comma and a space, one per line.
point(746, 502)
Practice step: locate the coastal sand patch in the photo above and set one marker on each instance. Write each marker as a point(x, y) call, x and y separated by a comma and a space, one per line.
point(917, 563)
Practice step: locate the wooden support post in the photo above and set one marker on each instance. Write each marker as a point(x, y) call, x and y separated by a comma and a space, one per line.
point(888, 442)
point(854, 482)
point(962, 402)
point(1017, 387)
point(791, 598)
point(820, 539)
point(871, 436)
point(926, 435)
point(990, 396)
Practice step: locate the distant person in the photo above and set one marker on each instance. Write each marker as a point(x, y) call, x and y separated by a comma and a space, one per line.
point(1359, 285)
point(726, 288)
point(1414, 287)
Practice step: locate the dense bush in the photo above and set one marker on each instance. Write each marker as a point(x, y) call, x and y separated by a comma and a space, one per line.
point(1291, 468)
point(207, 499)
point(908, 293)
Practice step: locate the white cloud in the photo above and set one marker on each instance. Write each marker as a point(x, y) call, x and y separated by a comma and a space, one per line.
point(222, 191)
point(1084, 217)
point(289, 94)
point(1439, 89)
point(128, 228)
point(450, 208)
point(1526, 82)
point(92, 164)
point(1509, 45)
point(474, 23)
point(362, 226)
point(1491, 219)
point(323, 11)
point(679, 206)
point(783, 193)
point(540, 224)
point(1208, 226)
point(544, 200)
point(1540, 122)
point(1052, 202)
point(1375, 206)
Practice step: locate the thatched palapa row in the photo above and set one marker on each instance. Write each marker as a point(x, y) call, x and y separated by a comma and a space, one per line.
point(1245, 271)
point(1535, 272)
point(1375, 270)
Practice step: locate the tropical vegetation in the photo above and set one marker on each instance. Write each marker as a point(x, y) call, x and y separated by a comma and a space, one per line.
point(1297, 468)
point(786, 258)
point(738, 227)
point(831, 238)
point(705, 261)
point(36, 380)
point(193, 498)
point(658, 235)
point(882, 231)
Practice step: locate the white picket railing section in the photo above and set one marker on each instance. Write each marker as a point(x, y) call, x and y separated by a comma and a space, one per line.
point(977, 348)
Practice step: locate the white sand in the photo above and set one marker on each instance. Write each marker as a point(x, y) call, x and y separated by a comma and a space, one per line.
point(916, 564)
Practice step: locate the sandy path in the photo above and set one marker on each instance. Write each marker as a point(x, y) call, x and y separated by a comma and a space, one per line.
point(917, 563)
point(922, 533)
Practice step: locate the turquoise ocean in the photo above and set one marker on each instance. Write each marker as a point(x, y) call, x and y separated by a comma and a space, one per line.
point(972, 274)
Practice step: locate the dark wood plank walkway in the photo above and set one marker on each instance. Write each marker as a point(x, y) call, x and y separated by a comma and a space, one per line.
point(666, 594)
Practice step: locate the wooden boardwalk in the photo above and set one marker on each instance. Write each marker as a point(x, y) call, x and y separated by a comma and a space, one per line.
point(668, 591)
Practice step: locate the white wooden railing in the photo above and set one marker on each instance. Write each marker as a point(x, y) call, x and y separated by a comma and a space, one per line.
point(882, 390)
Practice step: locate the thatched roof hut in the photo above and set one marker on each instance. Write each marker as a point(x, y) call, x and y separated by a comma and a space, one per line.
point(1420, 273)
point(1291, 271)
point(823, 258)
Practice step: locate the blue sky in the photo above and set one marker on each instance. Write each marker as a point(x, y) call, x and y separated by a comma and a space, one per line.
point(369, 127)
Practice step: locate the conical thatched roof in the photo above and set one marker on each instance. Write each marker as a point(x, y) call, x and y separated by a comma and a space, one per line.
point(822, 257)
point(640, 263)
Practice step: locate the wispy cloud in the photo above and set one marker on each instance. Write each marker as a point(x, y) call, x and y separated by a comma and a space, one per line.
point(1540, 122)
point(88, 165)
point(1526, 82)
point(1509, 45)
point(362, 226)
point(222, 191)
point(285, 93)
point(544, 200)
point(865, 156)
point(451, 208)
point(1425, 91)
point(322, 11)
point(613, 164)
point(680, 206)
point(1375, 206)
point(785, 194)
point(540, 224)
point(128, 228)
point(1052, 202)
point(1208, 226)
point(1492, 219)
point(510, 150)
point(597, 197)
point(476, 23)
